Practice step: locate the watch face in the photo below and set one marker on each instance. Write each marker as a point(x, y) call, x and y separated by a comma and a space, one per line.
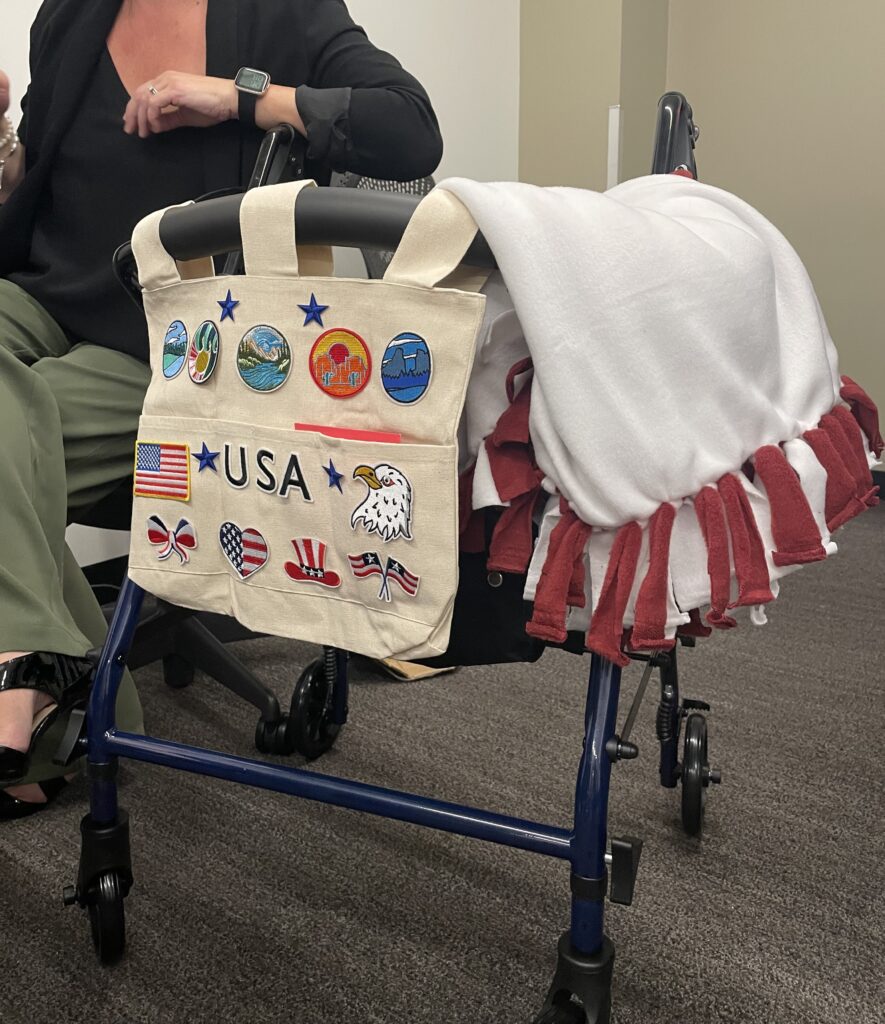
point(251, 80)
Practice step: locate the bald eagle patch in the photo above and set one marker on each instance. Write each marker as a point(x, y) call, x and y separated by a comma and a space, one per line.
point(387, 507)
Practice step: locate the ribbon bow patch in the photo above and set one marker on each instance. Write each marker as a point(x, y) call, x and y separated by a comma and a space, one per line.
point(182, 540)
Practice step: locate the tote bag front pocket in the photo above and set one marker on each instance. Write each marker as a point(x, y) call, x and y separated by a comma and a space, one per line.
point(336, 541)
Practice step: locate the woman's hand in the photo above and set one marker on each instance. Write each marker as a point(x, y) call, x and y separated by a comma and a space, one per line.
point(180, 101)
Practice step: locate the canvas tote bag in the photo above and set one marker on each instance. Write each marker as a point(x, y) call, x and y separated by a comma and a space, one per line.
point(296, 461)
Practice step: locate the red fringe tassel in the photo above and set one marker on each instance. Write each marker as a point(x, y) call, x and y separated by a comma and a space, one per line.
point(652, 602)
point(710, 510)
point(606, 627)
point(841, 502)
point(793, 527)
point(865, 412)
point(555, 590)
point(750, 567)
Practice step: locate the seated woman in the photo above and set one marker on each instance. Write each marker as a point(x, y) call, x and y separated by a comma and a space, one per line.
point(134, 105)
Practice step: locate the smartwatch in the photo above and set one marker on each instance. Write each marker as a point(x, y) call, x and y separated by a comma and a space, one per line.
point(251, 84)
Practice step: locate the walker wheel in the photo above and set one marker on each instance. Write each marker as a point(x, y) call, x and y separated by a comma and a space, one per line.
point(273, 737)
point(311, 729)
point(696, 774)
point(107, 918)
point(177, 673)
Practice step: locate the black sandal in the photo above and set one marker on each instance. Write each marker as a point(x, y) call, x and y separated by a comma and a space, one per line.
point(64, 679)
point(12, 808)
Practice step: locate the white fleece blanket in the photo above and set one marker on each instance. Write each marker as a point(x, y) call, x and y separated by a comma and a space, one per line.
point(673, 329)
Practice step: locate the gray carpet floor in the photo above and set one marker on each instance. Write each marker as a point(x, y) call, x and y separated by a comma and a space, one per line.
point(251, 907)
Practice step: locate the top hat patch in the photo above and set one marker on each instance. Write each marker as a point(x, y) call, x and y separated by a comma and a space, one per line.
point(310, 566)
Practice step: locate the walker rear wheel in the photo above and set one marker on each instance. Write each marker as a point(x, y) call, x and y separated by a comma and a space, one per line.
point(311, 730)
point(696, 774)
point(107, 918)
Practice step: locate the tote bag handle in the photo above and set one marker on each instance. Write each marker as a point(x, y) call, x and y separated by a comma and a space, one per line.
point(267, 229)
point(156, 268)
point(435, 241)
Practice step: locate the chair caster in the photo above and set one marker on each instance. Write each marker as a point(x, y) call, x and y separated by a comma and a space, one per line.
point(178, 673)
point(587, 979)
point(567, 1013)
point(273, 737)
point(103, 883)
point(696, 774)
point(312, 730)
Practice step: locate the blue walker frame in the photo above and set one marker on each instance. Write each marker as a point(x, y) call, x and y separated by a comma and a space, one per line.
point(584, 847)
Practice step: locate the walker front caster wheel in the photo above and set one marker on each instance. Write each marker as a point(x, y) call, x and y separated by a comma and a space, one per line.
point(697, 775)
point(311, 730)
point(107, 918)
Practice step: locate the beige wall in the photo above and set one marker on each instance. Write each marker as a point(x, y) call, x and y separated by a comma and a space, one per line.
point(643, 79)
point(570, 75)
point(790, 96)
point(466, 53)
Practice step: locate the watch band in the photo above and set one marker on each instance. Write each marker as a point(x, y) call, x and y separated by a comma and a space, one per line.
point(246, 107)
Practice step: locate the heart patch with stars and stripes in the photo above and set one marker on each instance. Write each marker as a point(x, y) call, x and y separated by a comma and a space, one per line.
point(246, 550)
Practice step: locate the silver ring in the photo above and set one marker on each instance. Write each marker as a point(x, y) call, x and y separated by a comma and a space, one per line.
point(152, 90)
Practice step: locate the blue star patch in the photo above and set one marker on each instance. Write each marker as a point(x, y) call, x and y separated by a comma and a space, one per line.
point(228, 306)
point(314, 312)
point(335, 477)
point(206, 458)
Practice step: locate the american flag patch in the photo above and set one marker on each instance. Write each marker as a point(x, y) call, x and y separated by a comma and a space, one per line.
point(369, 564)
point(397, 572)
point(363, 566)
point(162, 470)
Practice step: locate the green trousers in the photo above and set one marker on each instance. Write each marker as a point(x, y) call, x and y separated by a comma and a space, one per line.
point(68, 421)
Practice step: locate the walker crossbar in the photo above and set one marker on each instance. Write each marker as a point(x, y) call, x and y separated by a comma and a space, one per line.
point(446, 817)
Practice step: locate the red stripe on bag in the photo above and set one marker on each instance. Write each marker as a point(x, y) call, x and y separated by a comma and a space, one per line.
point(793, 526)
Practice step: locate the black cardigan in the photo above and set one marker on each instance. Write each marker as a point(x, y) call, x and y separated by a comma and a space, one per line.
point(362, 111)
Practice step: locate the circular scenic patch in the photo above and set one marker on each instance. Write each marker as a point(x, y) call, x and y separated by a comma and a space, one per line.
point(263, 359)
point(406, 368)
point(174, 349)
point(340, 363)
point(202, 355)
